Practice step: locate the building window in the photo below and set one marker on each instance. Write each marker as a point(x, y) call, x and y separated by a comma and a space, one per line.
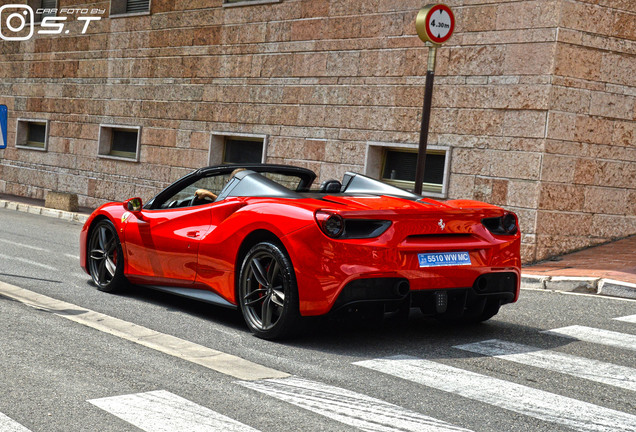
point(396, 165)
point(32, 134)
point(46, 8)
point(238, 151)
point(129, 7)
point(236, 3)
point(228, 148)
point(119, 142)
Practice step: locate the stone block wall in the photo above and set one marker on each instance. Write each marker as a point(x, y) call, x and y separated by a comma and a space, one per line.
point(535, 99)
point(588, 172)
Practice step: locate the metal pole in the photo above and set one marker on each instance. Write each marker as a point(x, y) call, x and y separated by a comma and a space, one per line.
point(426, 117)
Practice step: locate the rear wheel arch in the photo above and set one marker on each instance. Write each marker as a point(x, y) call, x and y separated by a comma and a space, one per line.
point(267, 291)
point(248, 243)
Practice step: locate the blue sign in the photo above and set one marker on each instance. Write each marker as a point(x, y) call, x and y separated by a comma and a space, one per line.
point(3, 126)
point(444, 259)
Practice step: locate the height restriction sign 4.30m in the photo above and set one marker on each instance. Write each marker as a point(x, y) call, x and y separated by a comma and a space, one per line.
point(435, 23)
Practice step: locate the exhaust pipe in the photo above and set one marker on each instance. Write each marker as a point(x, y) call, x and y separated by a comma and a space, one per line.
point(481, 285)
point(401, 288)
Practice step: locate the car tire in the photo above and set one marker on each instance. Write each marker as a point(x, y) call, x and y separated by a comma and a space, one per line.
point(106, 258)
point(268, 293)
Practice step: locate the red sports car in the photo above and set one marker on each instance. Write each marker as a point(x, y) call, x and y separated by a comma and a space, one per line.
point(259, 239)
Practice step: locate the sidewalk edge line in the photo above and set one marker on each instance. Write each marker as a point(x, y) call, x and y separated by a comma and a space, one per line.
point(218, 361)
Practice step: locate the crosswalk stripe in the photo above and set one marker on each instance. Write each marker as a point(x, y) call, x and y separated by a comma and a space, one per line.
point(540, 404)
point(9, 425)
point(162, 411)
point(629, 319)
point(348, 407)
point(593, 370)
point(597, 336)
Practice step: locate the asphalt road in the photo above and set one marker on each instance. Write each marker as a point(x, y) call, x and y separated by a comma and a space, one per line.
point(58, 375)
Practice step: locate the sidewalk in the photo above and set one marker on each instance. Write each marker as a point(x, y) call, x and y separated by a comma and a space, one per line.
point(36, 206)
point(609, 269)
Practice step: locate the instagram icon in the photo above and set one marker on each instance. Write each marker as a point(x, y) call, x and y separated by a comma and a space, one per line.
point(13, 19)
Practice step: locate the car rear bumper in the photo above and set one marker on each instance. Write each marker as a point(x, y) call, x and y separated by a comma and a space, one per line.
point(334, 274)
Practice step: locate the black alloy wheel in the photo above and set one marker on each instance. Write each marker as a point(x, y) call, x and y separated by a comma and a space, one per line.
point(268, 294)
point(106, 258)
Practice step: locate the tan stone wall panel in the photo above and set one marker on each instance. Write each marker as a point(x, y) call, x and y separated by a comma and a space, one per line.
point(624, 133)
point(610, 201)
point(553, 223)
point(578, 62)
point(477, 18)
point(477, 60)
point(523, 194)
point(589, 18)
point(528, 14)
point(529, 124)
point(618, 68)
point(529, 59)
point(571, 100)
point(480, 122)
point(561, 126)
point(558, 196)
point(613, 105)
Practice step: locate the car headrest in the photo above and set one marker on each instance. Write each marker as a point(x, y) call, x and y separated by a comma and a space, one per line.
point(330, 186)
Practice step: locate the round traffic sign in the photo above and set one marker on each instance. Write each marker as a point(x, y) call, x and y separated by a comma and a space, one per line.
point(435, 23)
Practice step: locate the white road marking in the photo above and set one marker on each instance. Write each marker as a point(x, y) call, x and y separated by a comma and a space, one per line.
point(629, 319)
point(162, 411)
point(8, 425)
point(27, 261)
point(593, 370)
point(212, 359)
point(597, 336)
point(345, 406)
point(581, 416)
point(71, 256)
point(24, 245)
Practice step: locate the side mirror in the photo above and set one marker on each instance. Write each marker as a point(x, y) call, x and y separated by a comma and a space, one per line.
point(133, 205)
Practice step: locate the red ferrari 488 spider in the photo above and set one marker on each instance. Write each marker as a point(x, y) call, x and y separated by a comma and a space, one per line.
point(261, 240)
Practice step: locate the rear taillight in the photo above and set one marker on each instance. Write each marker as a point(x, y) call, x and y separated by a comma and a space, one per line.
point(332, 224)
point(335, 226)
point(503, 225)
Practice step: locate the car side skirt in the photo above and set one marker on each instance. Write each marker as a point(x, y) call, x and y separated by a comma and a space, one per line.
point(195, 294)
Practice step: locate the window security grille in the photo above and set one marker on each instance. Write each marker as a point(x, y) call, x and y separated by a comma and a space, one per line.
point(133, 6)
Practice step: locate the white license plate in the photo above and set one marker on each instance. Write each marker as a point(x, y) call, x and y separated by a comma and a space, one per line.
point(444, 259)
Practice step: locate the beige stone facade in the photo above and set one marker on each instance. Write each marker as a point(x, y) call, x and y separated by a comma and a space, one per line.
point(534, 101)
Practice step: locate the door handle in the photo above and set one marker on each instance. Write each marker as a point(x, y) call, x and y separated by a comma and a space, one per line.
point(193, 234)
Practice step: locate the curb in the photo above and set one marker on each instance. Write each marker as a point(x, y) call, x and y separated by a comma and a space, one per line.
point(44, 211)
point(587, 285)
